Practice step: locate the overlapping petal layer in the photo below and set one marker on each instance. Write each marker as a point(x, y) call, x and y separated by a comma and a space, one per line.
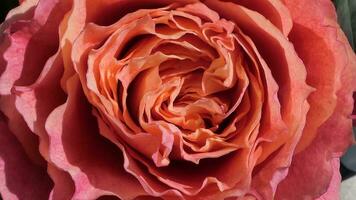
point(324, 48)
point(175, 100)
point(172, 86)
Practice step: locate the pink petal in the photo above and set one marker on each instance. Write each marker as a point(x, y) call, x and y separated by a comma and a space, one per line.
point(312, 169)
point(19, 177)
point(333, 191)
point(95, 165)
point(273, 10)
point(29, 42)
point(291, 80)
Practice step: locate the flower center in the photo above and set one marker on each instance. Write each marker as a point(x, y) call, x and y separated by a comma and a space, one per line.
point(185, 73)
point(179, 76)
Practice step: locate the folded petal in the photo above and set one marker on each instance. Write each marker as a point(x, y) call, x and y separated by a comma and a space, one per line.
point(326, 136)
point(274, 10)
point(29, 42)
point(333, 191)
point(19, 177)
point(291, 80)
point(95, 171)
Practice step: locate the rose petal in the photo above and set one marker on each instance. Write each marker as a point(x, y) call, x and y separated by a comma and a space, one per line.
point(26, 33)
point(290, 78)
point(19, 177)
point(22, 12)
point(273, 10)
point(333, 191)
point(27, 110)
point(334, 135)
point(63, 184)
point(24, 38)
point(98, 12)
point(20, 129)
point(271, 153)
point(320, 44)
point(34, 103)
point(95, 171)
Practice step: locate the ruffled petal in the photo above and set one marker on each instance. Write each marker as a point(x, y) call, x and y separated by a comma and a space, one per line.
point(148, 88)
point(273, 10)
point(22, 40)
point(19, 177)
point(291, 80)
point(29, 80)
point(333, 191)
point(95, 171)
point(326, 136)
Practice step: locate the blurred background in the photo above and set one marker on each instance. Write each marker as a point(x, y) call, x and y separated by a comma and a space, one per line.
point(346, 10)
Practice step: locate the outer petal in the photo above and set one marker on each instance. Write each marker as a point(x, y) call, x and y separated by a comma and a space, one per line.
point(23, 54)
point(334, 187)
point(290, 74)
point(35, 103)
point(28, 41)
point(95, 166)
point(316, 26)
point(22, 12)
point(28, 80)
point(101, 12)
point(273, 10)
point(19, 177)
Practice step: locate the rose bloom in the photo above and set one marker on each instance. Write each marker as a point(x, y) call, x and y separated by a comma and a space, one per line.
point(163, 99)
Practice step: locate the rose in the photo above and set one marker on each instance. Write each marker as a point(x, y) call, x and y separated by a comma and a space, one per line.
point(174, 99)
point(75, 126)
